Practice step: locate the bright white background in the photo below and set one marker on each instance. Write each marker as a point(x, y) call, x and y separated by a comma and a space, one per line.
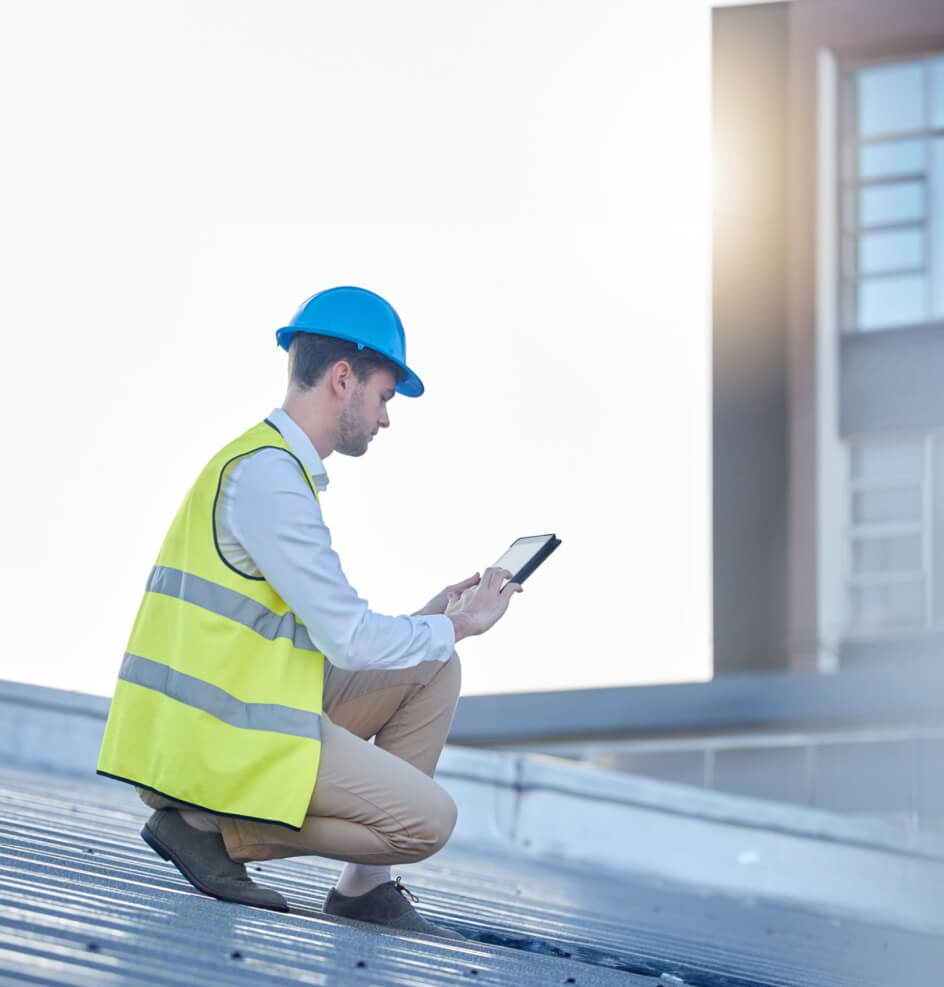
point(527, 182)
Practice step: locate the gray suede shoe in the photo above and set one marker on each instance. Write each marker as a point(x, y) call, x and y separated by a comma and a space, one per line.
point(203, 860)
point(386, 905)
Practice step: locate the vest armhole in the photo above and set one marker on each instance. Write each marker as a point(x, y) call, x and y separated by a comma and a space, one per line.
point(219, 487)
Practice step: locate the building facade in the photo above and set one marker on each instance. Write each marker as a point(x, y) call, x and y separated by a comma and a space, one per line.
point(828, 435)
point(828, 335)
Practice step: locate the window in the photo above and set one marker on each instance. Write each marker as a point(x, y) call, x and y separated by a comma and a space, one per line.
point(893, 195)
point(895, 556)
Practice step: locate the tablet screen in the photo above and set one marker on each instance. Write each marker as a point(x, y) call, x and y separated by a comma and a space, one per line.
point(522, 551)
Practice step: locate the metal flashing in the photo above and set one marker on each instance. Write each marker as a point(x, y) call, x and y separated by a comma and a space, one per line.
point(890, 694)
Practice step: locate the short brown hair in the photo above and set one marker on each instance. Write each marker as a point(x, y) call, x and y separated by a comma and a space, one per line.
point(311, 355)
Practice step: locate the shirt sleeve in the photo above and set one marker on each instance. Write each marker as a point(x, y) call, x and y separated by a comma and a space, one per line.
point(279, 523)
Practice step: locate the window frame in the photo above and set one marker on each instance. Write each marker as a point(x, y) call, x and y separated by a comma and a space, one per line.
point(849, 230)
point(924, 528)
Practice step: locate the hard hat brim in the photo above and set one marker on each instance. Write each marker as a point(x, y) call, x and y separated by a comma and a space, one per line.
point(411, 386)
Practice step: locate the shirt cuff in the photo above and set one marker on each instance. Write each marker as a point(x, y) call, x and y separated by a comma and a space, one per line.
point(442, 633)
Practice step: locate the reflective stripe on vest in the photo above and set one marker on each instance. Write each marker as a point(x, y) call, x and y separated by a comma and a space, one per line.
point(228, 603)
point(217, 702)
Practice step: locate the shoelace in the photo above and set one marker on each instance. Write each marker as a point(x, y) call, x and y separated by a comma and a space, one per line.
point(403, 889)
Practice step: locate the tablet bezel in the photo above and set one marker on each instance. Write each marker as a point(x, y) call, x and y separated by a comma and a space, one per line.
point(541, 553)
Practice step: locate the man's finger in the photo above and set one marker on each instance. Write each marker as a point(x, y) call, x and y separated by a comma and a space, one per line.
point(494, 575)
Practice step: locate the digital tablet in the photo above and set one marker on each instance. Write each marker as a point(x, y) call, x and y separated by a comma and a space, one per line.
point(524, 555)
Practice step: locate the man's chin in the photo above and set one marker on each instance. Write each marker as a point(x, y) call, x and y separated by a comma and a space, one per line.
point(352, 450)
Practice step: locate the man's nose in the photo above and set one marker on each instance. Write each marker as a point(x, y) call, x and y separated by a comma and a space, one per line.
point(384, 419)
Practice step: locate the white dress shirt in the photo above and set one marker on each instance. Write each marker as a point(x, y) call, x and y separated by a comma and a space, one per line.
point(268, 523)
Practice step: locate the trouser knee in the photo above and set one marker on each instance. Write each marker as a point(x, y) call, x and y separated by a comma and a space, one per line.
point(445, 820)
point(439, 820)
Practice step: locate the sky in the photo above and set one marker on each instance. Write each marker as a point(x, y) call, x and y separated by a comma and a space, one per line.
point(526, 181)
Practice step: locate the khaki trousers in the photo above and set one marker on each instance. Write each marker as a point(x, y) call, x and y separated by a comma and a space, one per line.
point(373, 803)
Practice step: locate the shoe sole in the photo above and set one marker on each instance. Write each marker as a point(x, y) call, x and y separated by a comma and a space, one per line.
point(449, 935)
point(164, 851)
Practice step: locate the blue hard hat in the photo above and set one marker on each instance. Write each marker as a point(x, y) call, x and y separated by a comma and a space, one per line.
point(359, 316)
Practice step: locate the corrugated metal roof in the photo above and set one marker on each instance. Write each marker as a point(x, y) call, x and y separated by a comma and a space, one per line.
point(86, 902)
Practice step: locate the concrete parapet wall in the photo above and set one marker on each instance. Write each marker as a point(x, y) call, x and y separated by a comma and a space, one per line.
point(729, 844)
point(50, 729)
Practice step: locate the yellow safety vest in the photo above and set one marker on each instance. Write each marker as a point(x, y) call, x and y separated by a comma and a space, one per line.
point(218, 701)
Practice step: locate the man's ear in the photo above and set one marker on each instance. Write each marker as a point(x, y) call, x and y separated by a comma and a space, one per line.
point(342, 378)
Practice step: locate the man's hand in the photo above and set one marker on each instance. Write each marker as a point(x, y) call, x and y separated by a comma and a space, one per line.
point(481, 605)
point(438, 603)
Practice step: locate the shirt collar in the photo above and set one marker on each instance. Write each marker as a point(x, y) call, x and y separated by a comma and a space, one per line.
point(301, 445)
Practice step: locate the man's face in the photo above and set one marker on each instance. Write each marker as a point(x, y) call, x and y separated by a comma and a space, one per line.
point(365, 412)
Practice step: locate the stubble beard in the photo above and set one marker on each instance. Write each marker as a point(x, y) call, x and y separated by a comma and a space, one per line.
point(353, 436)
